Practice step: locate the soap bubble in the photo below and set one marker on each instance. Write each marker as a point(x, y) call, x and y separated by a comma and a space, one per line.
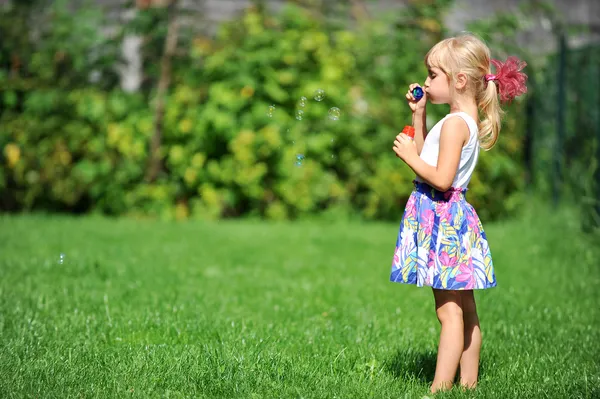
point(319, 94)
point(335, 113)
point(61, 259)
point(299, 159)
point(302, 102)
point(271, 111)
point(299, 114)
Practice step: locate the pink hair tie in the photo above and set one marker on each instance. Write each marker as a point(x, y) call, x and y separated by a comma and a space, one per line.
point(489, 77)
point(511, 81)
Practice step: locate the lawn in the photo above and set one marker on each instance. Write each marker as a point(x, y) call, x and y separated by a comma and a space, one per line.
point(249, 309)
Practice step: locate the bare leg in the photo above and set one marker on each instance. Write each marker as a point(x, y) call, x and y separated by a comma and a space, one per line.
point(469, 362)
point(449, 312)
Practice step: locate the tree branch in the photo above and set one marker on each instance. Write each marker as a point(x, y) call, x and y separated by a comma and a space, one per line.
point(155, 162)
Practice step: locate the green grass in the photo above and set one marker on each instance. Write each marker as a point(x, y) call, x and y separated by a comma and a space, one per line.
point(244, 309)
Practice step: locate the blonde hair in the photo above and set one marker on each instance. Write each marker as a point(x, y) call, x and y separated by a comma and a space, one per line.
point(470, 55)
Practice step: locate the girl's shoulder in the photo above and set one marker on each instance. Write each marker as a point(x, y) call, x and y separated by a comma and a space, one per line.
point(437, 128)
point(461, 114)
point(471, 123)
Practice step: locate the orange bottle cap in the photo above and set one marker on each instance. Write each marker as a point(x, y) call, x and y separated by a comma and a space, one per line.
point(409, 131)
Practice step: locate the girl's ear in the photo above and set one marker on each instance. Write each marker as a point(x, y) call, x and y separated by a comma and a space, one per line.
point(460, 81)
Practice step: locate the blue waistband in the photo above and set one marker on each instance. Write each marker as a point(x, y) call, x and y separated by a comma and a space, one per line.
point(436, 195)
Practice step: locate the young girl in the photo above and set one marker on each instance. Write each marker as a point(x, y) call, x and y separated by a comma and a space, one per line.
point(441, 242)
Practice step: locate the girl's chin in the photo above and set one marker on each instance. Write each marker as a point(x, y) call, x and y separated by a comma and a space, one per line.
point(435, 101)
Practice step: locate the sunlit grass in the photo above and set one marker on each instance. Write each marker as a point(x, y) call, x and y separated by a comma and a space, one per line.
point(244, 309)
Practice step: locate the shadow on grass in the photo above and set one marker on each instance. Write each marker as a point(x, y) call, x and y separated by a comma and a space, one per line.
point(412, 364)
point(420, 365)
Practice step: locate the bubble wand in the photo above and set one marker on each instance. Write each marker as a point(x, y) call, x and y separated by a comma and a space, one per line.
point(417, 93)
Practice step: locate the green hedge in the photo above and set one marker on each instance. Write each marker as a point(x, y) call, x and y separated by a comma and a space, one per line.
point(84, 147)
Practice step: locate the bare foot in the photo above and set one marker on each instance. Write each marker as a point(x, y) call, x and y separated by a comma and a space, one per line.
point(440, 386)
point(468, 386)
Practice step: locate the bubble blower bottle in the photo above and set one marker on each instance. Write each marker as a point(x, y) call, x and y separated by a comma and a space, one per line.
point(409, 131)
point(417, 93)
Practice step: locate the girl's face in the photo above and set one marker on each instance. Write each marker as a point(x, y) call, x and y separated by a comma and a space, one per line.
point(437, 86)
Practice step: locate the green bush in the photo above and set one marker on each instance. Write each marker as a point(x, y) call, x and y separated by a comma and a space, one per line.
point(224, 153)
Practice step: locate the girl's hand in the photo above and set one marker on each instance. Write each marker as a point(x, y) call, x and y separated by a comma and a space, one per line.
point(416, 106)
point(405, 147)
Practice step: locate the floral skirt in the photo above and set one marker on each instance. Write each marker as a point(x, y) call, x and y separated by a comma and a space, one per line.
point(441, 243)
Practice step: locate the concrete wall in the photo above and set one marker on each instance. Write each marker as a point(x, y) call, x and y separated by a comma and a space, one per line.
point(538, 39)
point(585, 12)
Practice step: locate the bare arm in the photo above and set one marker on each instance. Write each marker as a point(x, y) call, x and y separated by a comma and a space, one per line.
point(420, 125)
point(454, 135)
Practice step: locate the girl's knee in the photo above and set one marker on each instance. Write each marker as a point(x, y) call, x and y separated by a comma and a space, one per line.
point(448, 306)
point(449, 313)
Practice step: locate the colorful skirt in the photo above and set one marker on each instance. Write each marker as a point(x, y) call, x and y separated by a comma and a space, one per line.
point(441, 243)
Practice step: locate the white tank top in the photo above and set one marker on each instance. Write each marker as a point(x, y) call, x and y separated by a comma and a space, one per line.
point(468, 155)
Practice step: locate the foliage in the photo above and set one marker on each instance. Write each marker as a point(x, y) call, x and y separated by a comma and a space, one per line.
point(567, 160)
point(83, 146)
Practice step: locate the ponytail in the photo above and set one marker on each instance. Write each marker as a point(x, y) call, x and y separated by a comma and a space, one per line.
point(510, 83)
point(491, 121)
